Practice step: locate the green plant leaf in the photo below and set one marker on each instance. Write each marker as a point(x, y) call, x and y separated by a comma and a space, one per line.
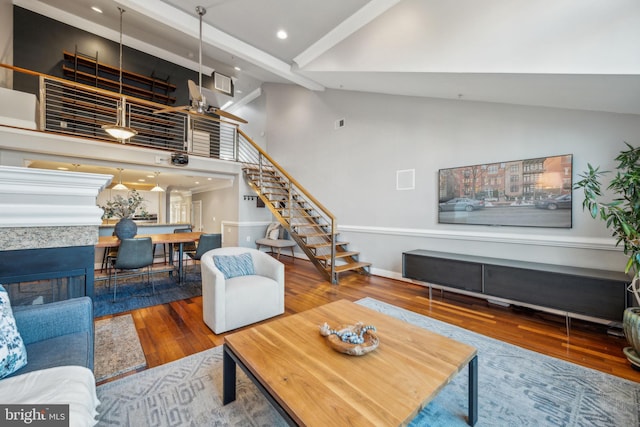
point(629, 265)
point(621, 215)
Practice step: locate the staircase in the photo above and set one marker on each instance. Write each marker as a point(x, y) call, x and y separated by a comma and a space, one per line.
point(310, 224)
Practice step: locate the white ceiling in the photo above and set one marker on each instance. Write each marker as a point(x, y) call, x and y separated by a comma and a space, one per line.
point(578, 54)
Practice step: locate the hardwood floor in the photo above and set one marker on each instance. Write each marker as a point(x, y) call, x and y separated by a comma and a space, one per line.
point(171, 331)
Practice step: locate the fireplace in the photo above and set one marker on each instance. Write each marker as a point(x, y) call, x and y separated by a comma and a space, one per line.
point(48, 228)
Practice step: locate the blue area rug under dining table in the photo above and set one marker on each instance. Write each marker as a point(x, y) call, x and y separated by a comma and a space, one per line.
point(134, 293)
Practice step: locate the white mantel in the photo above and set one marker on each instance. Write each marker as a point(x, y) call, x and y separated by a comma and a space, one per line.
point(44, 208)
point(47, 198)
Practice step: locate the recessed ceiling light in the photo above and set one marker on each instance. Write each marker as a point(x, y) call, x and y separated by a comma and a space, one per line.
point(96, 9)
point(282, 34)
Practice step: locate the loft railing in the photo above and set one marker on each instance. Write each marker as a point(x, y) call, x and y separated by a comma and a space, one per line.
point(77, 109)
point(310, 224)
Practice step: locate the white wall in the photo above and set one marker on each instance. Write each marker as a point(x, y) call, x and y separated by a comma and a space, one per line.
point(352, 171)
point(255, 114)
point(219, 204)
point(225, 211)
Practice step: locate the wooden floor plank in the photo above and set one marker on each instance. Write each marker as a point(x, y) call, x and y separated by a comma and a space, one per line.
point(171, 331)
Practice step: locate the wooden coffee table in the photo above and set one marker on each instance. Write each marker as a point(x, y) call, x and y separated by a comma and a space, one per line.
point(310, 384)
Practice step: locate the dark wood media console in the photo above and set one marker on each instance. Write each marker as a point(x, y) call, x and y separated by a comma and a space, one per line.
point(588, 292)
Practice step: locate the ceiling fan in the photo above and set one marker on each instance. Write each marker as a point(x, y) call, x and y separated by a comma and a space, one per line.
point(198, 101)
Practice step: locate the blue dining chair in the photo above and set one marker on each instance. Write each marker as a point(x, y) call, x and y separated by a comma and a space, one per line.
point(206, 243)
point(133, 254)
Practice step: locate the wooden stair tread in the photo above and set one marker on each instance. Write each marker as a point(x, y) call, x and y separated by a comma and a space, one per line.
point(311, 225)
point(351, 266)
point(344, 254)
point(268, 177)
point(325, 244)
point(314, 235)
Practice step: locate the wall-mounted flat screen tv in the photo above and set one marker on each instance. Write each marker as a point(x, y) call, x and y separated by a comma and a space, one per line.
point(523, 193)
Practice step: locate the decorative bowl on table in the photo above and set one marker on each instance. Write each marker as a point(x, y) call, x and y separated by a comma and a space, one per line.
point(354, 340)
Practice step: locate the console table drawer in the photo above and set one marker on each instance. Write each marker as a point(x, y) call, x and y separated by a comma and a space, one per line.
point(442, 271)
point(576, 294)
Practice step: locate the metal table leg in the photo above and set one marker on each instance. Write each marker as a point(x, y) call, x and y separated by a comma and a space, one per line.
point(473, 391)
point(229, 363)
point(228, 376)
point(180, 267)
point(171, 259)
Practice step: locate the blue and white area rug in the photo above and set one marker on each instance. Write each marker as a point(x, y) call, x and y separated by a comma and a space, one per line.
point(517, 387)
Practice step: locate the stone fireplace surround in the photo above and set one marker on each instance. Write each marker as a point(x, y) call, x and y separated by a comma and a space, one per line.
point(48, 227)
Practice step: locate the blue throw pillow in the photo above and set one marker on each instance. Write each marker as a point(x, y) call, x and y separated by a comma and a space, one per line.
point(13, 354)
point(234, 265)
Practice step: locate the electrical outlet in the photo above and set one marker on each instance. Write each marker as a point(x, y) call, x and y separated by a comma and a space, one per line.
point(248, 238)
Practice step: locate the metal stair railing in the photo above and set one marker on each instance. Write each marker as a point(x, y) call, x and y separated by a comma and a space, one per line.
point(309, 223)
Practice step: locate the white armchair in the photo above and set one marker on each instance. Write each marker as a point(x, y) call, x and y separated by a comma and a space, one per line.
point(230, 303)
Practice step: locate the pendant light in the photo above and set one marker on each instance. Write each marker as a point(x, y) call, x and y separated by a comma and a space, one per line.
point(119, 130)
point(157, 187)
point(120, 185)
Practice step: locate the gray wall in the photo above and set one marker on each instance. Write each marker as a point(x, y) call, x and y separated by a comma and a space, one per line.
point(352, 170)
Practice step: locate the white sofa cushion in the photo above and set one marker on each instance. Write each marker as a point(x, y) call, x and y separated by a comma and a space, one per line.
point(273, 231)
point(250, 299)
point(72, 385)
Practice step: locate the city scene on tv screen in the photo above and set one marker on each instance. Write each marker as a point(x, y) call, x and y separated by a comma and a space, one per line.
point(525, 193)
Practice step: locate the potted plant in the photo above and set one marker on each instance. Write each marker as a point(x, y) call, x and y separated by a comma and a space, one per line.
point(125, 208)
point(622, 217)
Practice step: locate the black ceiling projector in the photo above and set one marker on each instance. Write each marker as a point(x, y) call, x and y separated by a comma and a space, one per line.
point(179, 159)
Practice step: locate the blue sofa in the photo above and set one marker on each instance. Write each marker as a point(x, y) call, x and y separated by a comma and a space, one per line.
point(56, 334)
point(59, 341)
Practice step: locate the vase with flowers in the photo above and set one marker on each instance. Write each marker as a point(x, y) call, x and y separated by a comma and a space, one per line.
point(125, 208)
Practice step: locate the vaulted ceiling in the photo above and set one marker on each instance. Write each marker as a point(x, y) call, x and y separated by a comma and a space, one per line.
point(579, 54)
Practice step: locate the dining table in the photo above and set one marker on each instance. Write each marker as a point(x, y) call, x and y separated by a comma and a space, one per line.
point(162, 238)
